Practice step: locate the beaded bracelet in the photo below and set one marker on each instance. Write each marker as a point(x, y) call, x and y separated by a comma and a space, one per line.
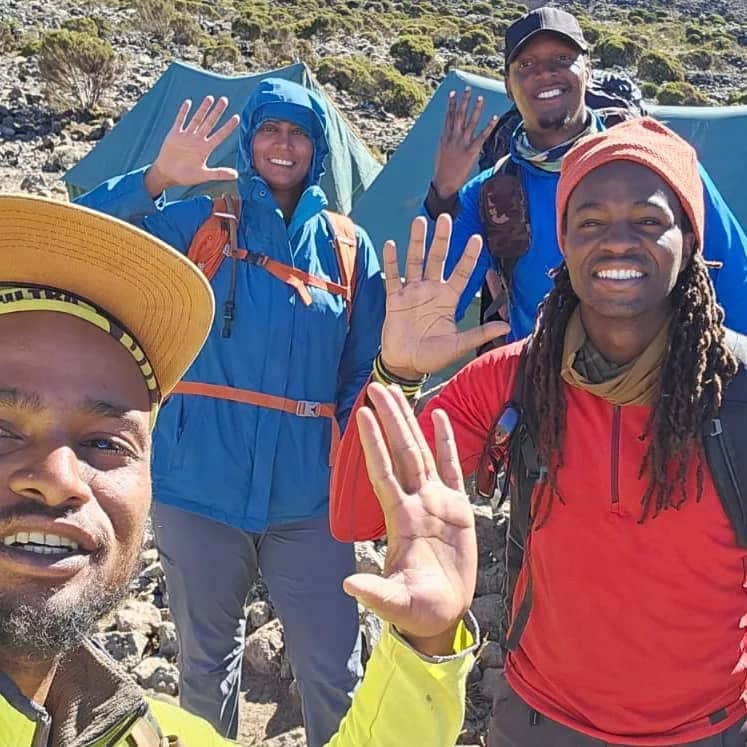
point(410, 387)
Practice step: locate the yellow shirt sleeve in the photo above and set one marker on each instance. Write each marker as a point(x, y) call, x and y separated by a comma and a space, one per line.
point(408, 699)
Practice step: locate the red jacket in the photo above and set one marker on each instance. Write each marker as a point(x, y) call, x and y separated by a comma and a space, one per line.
point(634, 630)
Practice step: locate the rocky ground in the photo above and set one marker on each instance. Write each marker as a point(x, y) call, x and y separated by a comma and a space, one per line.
point(38, 144)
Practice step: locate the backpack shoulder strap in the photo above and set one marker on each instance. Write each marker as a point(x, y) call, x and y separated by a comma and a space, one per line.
point(346, 248)
point(723, 443)
point(207, 247)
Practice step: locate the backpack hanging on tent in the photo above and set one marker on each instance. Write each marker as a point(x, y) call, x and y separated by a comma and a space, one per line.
point(510, 449)
point(216, 240)
point(614, 97)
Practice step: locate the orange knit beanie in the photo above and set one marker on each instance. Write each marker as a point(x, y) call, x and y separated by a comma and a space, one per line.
point(644, 141)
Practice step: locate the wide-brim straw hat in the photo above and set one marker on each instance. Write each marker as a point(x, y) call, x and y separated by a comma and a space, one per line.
point(153, 291)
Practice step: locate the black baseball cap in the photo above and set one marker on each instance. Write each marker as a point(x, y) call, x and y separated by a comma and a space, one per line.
point(543, 19)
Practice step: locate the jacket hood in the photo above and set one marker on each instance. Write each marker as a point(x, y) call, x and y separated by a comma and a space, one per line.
point(279, 99)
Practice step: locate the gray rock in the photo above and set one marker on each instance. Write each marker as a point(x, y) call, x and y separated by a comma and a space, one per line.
point(35, 184)
point(491, 682)
point(154, 572)
point(158, 675)
point(368, 559)
point(491, 656)
point(168, 644)
point(489, 611)
point(372, 627)
point(258, 613)
point(127, 648)
point(294, 738)
point(135, 614)
point(264, 647)
point(491, 533)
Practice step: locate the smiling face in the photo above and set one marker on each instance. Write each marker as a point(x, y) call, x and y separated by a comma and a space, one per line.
point(547, 81)
point(282, 153)
point(74, 478)
point(625, 245)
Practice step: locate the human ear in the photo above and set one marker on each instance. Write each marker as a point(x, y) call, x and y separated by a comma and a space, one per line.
point(689, 247)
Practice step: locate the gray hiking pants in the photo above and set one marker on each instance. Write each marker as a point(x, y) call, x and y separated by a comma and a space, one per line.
point(515, 724)
point(210, 568)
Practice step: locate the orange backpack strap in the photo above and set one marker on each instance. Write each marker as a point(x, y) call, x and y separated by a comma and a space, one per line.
point(346, 247)
point(216, 237)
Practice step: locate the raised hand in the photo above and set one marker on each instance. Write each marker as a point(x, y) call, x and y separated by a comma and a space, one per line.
point(420, 334)
point(431, 562)
point(186, 148)
point(460, 146)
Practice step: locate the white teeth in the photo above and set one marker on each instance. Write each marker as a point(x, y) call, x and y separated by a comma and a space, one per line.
point(41, 543)
point(281, 162)
point(619, 274)
point(549, 94)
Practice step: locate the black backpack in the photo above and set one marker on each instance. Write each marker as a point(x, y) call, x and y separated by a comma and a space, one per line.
point(724, 442)
point(503, 210)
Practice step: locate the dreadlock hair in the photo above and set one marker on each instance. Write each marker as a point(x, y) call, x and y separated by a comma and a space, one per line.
point(697, 368)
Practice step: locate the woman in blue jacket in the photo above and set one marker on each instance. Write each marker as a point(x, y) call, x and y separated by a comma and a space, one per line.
point(240, 488)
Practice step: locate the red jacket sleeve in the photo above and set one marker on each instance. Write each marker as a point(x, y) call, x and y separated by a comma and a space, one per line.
point(472, 400)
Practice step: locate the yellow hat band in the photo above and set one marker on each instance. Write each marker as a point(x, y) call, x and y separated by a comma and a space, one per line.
point(38, 298)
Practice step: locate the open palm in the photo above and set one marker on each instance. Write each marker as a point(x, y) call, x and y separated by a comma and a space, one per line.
point(431, 562)
point(420, 334)
point(182, 159)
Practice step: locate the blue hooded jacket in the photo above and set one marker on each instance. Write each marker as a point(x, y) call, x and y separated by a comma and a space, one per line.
point(725, 241)
point(248, 466)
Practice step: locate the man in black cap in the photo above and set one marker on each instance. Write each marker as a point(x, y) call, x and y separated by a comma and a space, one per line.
point(512, 204)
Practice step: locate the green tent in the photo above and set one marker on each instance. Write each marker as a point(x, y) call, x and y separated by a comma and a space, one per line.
point(718, 133)
point(135, 140)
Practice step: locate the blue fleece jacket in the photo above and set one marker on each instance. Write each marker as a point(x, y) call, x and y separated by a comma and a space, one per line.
point(725, 241)
point(248, 466)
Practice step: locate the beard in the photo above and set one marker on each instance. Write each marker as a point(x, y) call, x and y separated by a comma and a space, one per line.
point(556, 123)
point(37, 625)
point(43, 630)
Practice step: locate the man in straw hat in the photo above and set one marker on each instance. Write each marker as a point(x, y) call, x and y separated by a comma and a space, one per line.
point(621, 423)
point(100, 321)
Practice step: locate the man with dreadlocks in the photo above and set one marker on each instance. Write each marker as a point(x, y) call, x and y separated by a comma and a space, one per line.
point(626, 612)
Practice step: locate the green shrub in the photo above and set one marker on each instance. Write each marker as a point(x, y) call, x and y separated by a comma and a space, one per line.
point(379, 84)
point(77, 68)
point(219, 49)
point(82, 24)
point(699, 58)
point(9, 36)
point(485, 72)
point(696, 35)
point(591, 32)
point(649, 90)
point(617, 50)
point(156, 16)
point(93, 25)
point(659, 68)
point(29, 45)
point(738, 97)
point(186, 30)
point(679, 93)
point(323, 24)
point(474, 37)
point(412, 54)
point(398, 94)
